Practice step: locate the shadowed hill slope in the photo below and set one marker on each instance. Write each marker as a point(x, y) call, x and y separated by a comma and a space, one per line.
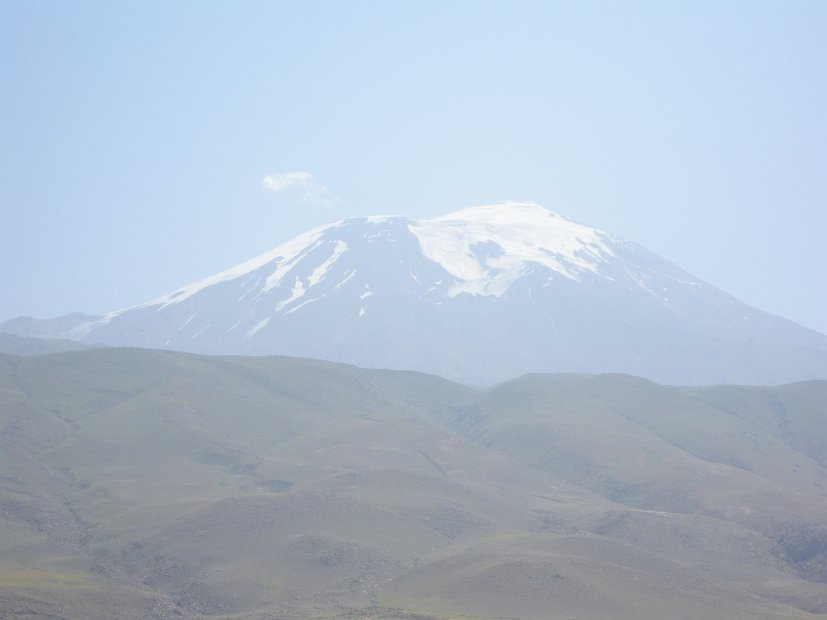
point(137, 483)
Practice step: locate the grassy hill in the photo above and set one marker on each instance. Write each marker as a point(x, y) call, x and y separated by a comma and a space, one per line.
point(150, 484)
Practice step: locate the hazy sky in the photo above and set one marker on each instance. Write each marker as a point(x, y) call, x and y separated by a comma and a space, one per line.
point(148, 144)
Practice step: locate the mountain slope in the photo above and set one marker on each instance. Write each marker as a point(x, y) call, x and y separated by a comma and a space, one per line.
point(479, 296)
point(157, 484)
point(30, 327)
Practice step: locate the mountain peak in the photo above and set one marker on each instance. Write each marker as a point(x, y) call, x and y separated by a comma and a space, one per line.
point(509, 212)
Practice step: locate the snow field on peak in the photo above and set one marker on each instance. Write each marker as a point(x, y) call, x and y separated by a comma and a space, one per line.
point(489, 247)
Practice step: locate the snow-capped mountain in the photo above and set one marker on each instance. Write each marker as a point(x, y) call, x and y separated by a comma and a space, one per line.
point(478, 295)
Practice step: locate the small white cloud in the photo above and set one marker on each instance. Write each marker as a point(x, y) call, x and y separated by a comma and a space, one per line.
point(303, 184)
point(286, 180)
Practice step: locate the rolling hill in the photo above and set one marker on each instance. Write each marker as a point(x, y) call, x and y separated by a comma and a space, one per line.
point(154, 484)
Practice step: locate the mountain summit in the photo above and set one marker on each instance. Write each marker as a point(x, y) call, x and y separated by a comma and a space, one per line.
point(479, 295)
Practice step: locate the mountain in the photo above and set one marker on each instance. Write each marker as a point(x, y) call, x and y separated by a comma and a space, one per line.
point(156, 484)
point(30, 327)
point(23, 345)
point(479, 296)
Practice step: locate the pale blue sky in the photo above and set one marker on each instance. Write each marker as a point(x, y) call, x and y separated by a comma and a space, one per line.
point(135, 135)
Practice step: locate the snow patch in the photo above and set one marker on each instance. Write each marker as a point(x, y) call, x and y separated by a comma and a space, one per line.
point(319, 272)
point(302, 304)
point(187, 322)
point(297, 291)
point(199, 332)
point(350, 274)
point(256, 328)
point(275, 278)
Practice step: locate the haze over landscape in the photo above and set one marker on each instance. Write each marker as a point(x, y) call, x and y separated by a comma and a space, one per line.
point(414, 311)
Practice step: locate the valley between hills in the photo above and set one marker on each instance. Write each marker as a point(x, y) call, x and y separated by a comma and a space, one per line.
point(139, 483)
